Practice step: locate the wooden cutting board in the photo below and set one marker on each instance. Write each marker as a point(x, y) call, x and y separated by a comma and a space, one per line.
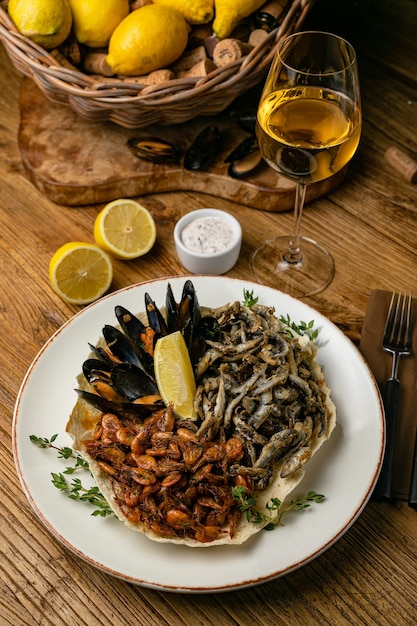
point(75, 161)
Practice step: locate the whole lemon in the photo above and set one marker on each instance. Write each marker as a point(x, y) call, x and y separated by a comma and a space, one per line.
point(194, 11)
point(228, 14)
point(149, 38)
point(95, 20)
point(46, 22)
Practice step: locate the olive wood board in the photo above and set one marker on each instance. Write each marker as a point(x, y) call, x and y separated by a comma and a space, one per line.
point(75, 161)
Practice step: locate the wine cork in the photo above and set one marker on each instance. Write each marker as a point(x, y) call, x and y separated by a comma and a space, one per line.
point(199, 34)
point(241, 32)
point(269, 15)
point(402, 163)
point(274, 8)
point(200, 69)
point(210, 44)
point(189, 59)
point(153, 78)
point(257, 37)
point(72, 51)
point(230, 50)
point(95, 63)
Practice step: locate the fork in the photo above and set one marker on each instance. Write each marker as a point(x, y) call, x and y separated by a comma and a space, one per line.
point(396, 341)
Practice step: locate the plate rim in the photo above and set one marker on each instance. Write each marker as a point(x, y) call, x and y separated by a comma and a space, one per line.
point(186, 588)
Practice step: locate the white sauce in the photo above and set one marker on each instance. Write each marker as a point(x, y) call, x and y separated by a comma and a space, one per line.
point(207, 235)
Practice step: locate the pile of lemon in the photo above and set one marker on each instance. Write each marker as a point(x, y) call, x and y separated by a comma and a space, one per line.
point(137, 41)
point(82, 272)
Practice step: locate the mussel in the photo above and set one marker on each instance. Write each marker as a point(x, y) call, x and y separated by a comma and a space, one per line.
point(129, 410)
point(245, 118)
point(120, 346)
point(206, 145)
point(141, 336)
point(154, 149)
point(121, 381)
point(245, 158)
point(121, 370)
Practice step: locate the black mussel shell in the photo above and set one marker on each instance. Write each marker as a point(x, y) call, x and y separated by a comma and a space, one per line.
point(246, 165)
point(128, 410)
point(207, 328)
point(245, 119)
point(134, 329)
point(245, 158)
point(206, 145)
point(247, 146)
point(172, 311)
point(120, 345)
point(189, 306)
point(132, 382)
point(155, 318)
point(93, 366)
point(154, 149)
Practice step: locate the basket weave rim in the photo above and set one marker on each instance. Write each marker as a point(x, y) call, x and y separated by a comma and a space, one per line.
point(40, 64)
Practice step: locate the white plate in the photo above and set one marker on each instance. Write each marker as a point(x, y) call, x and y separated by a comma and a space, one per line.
point(344, 470)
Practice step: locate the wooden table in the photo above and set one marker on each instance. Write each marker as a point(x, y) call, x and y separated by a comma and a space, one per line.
point(369, 224)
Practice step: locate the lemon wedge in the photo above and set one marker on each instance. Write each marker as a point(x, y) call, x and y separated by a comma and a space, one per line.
point(80, 272)
point(174, 374)
point(125, 229)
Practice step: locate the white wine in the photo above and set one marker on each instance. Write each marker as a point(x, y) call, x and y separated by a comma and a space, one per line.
point(308, 133)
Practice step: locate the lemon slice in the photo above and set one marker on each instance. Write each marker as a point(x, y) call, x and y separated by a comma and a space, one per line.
point(125, 229)
point(174, 374)
point(80, 272)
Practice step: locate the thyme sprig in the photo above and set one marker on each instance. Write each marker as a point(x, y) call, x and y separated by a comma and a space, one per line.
point(303, 328)
point(275, 511)
point(74, 489)
point(64, 452)
point(248, 298)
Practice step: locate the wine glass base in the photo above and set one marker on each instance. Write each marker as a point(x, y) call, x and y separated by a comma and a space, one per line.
point(304, 278)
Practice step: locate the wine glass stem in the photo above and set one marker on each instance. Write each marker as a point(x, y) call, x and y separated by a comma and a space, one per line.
point(294, 254)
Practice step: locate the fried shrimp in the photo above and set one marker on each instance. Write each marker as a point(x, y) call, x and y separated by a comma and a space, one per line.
point(186, 473)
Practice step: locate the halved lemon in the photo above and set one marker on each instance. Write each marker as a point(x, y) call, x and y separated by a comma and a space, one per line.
point(125, 229)
point(80, 272)
point(174, 374)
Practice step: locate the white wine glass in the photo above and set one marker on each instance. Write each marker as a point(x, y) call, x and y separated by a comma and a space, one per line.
point(308, 128)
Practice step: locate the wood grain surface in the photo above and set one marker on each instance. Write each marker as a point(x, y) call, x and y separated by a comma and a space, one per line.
point(369, 223)
point(74, 161)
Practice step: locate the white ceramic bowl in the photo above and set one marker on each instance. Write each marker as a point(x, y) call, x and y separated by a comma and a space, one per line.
point(214, 263)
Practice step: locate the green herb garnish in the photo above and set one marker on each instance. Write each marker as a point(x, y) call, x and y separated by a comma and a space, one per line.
point(74, 489)
point(303, 328)
point(275, 511)
point(248, 298)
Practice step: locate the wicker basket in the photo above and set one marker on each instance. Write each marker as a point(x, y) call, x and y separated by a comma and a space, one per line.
point(131, 105)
